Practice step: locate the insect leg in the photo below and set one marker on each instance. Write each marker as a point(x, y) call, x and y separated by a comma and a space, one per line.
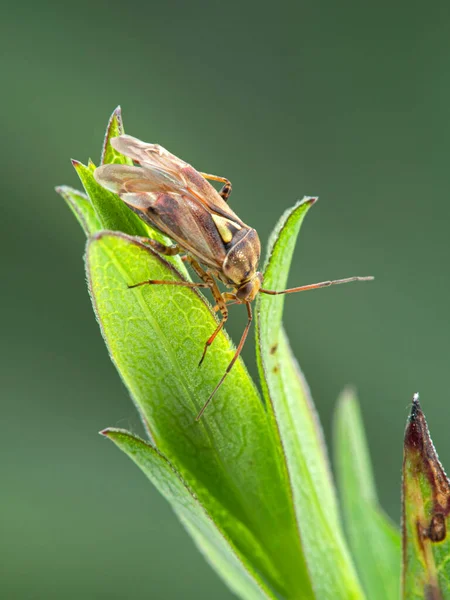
point(210, 340)
point(221, 305)
point(206, 277)
point(162, 248)
point(233, 360)
point(207, 283)
point(315, 286)
point(161, 282)
point(220, 302)
point(226, 190)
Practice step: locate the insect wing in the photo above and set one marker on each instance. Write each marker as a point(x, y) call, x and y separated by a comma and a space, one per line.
point(122, 179)
point(150, 156)
point(153, 157)
point(182, 219)
point(158, 200)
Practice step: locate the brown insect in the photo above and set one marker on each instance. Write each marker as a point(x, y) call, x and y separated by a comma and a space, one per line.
point(177, 200)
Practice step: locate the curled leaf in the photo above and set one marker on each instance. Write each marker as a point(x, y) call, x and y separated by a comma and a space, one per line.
point(111, 211)
point(82, 208)
point(426, 509)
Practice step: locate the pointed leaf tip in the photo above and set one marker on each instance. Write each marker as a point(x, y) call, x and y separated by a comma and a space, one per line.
point(419, 442)
point(114, 128)
point(111, 431)
point(415, 406)
point(426, 509)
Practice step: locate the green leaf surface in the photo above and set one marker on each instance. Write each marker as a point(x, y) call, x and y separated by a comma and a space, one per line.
point(82, 208)
point(373, 539)
point(426, 507)
point(155, 335)
point(213, 541)
point(111, 211)
point(114, 129)
point(294, 420)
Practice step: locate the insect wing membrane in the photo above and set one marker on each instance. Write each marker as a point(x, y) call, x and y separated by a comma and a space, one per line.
point(184, 220)
point(150, 156)
point(155, 158)
point(121, 179)
point(172, 196)
point(157, 199)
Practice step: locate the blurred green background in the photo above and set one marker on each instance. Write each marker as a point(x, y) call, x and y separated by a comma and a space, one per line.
point(346, 100)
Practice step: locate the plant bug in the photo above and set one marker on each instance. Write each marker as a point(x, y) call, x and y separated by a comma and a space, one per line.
point(177, 200)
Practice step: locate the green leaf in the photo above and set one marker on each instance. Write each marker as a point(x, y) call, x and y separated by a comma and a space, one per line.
point(82, 208)
point(295, 421)
point(426, 507)
point(373, 539)
point(213, 541)
point(111, 211)
point(114, 129)
point(155, 335)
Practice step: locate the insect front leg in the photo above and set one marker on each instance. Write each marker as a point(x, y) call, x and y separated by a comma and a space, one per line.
point(220, 303)
point(233, 360)
point(226, 189)
point(218, 297)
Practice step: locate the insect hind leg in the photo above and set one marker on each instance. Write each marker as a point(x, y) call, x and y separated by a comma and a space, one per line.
point(225, 192)
point(161, 248)
point(163, 282)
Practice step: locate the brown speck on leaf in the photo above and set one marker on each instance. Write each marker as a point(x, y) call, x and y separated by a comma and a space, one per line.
point(437, 530)
point(276, 369)
point(422, 534)
point(431, 592)
point(274, 348)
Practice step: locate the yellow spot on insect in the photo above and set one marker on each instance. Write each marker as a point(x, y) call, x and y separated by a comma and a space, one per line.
point(225, 227)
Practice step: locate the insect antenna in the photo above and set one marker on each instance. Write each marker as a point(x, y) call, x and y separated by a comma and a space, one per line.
point(233, 360)
point(315, 286)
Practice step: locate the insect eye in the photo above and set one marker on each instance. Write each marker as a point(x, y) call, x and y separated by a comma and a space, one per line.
point(244, 291)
